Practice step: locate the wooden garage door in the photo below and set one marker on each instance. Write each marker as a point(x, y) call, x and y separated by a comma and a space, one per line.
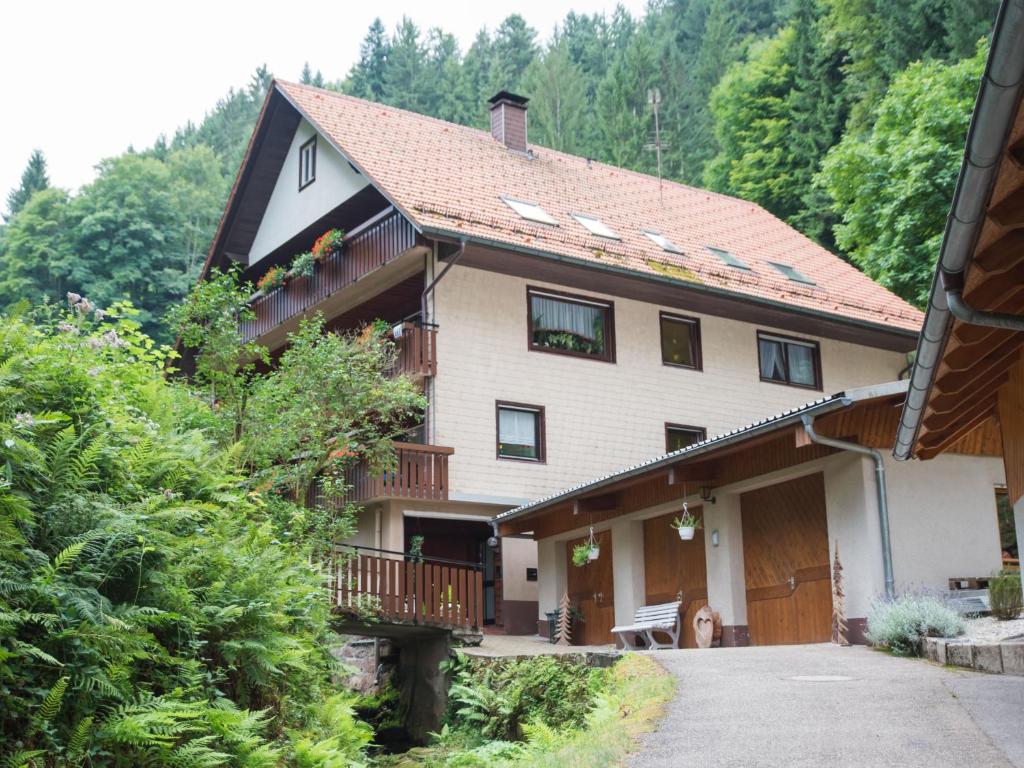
point(675, 570)
point(591, 590)
point(785, 557)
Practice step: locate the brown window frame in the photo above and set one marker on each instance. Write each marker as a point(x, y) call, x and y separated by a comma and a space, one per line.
point(609, 353)
point(816, 346)
point(302, 149)
point(542, 445)
point(695, 340)
point(687, 427)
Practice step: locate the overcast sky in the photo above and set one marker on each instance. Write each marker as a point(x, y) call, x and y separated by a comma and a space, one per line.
point(87, 79)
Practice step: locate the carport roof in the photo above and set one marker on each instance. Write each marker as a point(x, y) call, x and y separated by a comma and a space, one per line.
point(774, 423)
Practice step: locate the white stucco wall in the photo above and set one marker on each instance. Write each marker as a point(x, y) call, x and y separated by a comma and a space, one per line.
point(942, 515)
point(516, 556)
point(291, 209)
point(600, 416)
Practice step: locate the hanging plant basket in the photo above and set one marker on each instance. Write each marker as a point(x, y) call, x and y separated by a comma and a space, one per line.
point(587, 551)
point(686, 532)
point(595, 552)
point(686, 524)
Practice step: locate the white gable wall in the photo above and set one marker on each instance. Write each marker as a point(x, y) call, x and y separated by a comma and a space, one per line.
point(291, 210)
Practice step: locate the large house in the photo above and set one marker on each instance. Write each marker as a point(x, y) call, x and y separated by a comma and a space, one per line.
point(564, 317)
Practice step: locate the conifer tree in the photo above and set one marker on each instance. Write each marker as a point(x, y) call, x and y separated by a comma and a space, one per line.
point(367, 77)
point(33, 179)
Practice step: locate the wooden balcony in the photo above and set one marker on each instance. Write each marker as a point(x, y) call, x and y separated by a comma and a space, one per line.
point(393, 587)
point(421, 472)
point(417, 350)
point(377, 242)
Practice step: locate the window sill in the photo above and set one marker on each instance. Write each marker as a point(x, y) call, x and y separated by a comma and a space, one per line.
point(809, 387)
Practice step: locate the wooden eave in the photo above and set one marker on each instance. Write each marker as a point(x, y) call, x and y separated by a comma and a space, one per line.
point(975, 361)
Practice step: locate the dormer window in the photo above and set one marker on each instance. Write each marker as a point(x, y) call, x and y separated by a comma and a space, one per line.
point(792, 273)
point(662, 242)
point(529, 211)
point(727, 258)
point(595, 226)
point(307, 163)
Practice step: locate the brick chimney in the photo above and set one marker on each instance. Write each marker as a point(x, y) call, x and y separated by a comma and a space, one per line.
point(508, 119)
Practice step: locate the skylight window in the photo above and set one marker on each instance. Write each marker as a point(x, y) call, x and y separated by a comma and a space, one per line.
point(662, 242)
point(792, 273)
point(727, 258)
point(529, 211)
point(596, 226)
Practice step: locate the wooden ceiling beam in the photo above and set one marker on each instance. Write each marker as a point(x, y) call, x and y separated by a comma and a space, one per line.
point(1003, 254)
point(987, 293)
point(954, 400)
point(964, 357)
point(931, 449)
point(988, 362)
point(939, 424)
point(1009, 212)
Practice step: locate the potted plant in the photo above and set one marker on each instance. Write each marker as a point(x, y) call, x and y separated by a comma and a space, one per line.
point(272, 278)
point(687, 524)
point(302, 265)
point(329, 242)
point(587, 551)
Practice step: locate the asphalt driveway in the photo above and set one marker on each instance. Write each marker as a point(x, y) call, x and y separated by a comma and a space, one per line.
point(825, 706)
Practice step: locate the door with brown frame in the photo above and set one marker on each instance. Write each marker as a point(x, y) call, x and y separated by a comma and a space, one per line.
point(591, 591)
point(786, 563)
point(675, 570)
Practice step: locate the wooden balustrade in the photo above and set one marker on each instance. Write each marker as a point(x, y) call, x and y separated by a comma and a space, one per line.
point(369, 247)
point(421, 472)
point(417, 351)
point(392, 587)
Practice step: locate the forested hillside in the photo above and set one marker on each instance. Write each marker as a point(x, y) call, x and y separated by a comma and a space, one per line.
point(846, 118)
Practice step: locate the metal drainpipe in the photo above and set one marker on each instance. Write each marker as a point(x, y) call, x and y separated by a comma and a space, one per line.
point(883, 499)
point(430, 431)
point(953, 285)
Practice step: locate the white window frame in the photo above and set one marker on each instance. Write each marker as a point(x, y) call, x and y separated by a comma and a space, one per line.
point(307, 163)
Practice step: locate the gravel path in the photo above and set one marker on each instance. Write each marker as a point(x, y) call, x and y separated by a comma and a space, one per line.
point(821, 705)
point(986, 629)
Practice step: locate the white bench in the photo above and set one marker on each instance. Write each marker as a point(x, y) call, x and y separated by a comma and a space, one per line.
point(648, 620)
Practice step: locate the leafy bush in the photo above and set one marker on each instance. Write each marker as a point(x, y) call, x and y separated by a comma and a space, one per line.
point(149, 614)
point(499, 698)
point(1004, 594)
point(901, 624)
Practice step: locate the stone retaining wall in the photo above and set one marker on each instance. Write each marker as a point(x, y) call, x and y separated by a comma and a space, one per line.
point(1004, 658)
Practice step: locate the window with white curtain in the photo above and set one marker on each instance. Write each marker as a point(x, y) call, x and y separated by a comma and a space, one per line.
point(571, 325)
point(520, 432)
point(789, 361)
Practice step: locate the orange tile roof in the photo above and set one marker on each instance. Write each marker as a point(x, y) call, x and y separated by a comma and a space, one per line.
point(451, 178)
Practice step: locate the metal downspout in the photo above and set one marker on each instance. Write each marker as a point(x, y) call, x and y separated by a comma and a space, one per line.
point(883, 498)
point(953, 285)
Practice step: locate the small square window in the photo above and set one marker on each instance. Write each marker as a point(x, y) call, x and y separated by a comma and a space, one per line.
point(307, 163)
point(792, 273)
point(595, 226)
point(529, 211)
point(680, 341)
point(727, 258)
point(679, 436)
point(789, 361)
point(662, 242)
point(520, 431)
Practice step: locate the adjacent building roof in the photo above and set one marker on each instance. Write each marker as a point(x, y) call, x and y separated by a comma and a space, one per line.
point(960, 367)
point(450, 181)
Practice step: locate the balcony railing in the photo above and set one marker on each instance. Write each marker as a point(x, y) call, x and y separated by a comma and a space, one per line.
point(421, 472)
point(417, 350)
point(369, 247)
point(395, 587)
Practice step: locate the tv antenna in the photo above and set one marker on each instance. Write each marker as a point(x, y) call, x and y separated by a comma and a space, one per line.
point(656, 144)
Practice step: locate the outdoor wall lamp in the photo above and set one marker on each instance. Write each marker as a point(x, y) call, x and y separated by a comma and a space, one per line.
point(705, 494)
point(714, 537)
